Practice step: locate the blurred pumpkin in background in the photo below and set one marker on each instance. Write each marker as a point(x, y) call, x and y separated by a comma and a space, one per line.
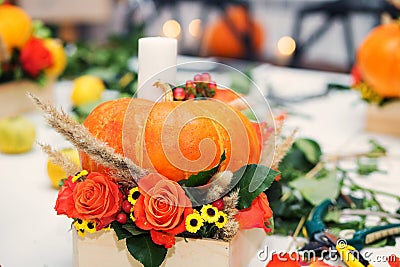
point(15, 26)
point(378, 60)
point(235, 35)
point(17, 135)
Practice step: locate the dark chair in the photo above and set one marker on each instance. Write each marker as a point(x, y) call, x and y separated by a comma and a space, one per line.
point(337, 10)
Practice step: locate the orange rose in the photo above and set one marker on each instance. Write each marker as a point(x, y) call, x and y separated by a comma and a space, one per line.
point(97, 198)
point(257, 215)
point(161, 208)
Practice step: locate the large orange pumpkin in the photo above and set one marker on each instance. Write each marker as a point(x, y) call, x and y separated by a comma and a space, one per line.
point(15, 26)
point(220, 40)
point(378, 60)
point(176, 139)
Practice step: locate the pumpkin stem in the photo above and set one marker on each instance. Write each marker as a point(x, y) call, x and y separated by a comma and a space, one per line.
point(168, 95)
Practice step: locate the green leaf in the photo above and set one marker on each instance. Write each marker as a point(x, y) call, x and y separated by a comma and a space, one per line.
point(253, 179)
point(203, 177)
point(40, 30)
point(271, 225)
point(366, 168)
point(133, 229)
point(310, 148)
point(143, 249)
point(316, 190)
point(333, 216)
point(376, 148)
point(249, 114)
point(274, 192)
point(120, 231)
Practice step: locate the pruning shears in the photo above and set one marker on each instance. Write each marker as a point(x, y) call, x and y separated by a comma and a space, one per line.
point(349, 244)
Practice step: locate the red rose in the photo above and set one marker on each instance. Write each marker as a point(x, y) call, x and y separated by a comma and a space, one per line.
point(257, 215)
point(65, 201)
point(35, 57)
point(97, 198)
point(161, 208)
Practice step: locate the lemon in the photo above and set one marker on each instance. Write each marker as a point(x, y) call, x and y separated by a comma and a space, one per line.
point(86, 89)
point(55, 172)
point(17, 135)
point(59, 57)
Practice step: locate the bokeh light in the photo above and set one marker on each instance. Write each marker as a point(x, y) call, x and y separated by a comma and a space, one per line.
point(171, 28)
point(195, 27)
point(286, 45)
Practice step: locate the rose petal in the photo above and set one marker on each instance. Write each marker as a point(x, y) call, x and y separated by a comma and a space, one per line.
point(393, 261)
point(284, 260)
point(257, 215)
point(162, 239)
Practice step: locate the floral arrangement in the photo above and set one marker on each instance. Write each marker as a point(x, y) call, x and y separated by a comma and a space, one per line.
point(26, 49)
point(149, 208)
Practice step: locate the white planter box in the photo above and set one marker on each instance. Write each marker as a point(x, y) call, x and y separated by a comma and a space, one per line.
point(104, 249)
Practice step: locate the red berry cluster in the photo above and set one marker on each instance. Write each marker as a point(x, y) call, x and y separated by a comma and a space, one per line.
point(201, 86)
point(219, 204)
point(126, 209)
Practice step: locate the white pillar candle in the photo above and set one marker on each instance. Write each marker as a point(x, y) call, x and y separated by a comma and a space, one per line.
point(157, 62)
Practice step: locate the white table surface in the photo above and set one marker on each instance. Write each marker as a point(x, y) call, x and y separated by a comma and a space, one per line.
point(32, 234)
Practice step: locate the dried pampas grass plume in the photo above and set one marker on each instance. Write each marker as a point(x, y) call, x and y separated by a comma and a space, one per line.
point(61, 160)
point(232, 226)
point(282, 148)
point(276, 147)
point(122, 168)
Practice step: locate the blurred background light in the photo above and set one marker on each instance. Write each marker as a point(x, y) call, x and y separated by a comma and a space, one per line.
point(171, 28)
point(286, 45)
point(195, 28)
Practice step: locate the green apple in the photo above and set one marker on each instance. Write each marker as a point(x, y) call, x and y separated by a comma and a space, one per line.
point(17, 135)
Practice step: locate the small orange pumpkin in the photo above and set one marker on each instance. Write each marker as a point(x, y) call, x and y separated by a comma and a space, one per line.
point(220, 40)
point(173, 138)
point(378, 59)
point(15, 26)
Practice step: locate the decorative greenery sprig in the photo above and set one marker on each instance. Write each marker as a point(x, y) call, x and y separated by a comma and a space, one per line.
point(308, 177)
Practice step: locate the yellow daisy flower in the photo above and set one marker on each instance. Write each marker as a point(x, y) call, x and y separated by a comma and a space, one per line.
point(80, 226)
point(107, 228)
point(132, 216)
point(81, 232)
point(209, 213)
point(79, 175)
point(133, 196)
point(193, 222)
point(222, 220)
point(90, 226)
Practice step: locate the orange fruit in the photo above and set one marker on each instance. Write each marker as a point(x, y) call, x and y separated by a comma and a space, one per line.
point(15, 26)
